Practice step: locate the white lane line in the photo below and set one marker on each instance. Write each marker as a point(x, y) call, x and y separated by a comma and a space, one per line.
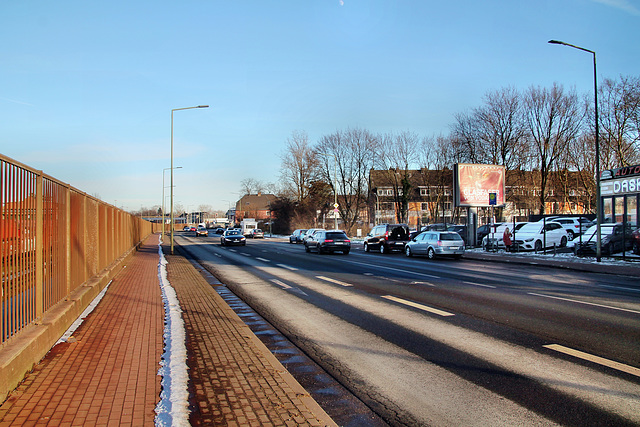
point(280, 283)
point(232, 250)
point(245, 254)
point(418, 306)
point(263, 259)
point(287, 267)
point(480, 284)
point(337, 282)
point(586, 303)
point(422, 283)
point(595, 359)
point(394, 269)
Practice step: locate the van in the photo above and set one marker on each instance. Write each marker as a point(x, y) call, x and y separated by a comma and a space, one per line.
point(386, 238)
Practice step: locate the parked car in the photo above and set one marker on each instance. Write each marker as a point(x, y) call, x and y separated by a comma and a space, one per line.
point(233, 236)
point(297, 235)
point(460, 229)
point(494, 238)
point(202, 231)
point(534, 235)
point(186, 228)
point(574, 225)
point(435, 227)
point(436, 243)
point(635, 241)
point(328, 241)
point(387, 237)
point(483, 230)
point(257, 233)
point(612, 240)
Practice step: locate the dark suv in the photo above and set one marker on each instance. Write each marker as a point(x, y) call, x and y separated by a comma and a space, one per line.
point(328, 241)
point(387, 237)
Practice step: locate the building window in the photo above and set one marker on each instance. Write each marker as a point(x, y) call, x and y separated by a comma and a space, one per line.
point(424, 191)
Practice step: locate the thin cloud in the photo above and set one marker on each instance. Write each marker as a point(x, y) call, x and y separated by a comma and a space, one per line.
point(625, 5)
point(16, 101)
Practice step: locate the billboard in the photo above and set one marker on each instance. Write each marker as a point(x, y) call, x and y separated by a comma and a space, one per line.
point(474, 184)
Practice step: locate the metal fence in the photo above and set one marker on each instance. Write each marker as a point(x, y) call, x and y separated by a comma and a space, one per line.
point(53, 238)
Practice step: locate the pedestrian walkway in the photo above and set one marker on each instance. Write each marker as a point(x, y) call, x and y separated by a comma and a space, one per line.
point(106, 373)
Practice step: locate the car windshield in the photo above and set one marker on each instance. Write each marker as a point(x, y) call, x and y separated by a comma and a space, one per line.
point(450, 236)
point(233, 232)
point(604, 230)
point(531, 228)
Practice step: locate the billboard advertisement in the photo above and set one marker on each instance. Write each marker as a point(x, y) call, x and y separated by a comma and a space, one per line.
point(476, 185)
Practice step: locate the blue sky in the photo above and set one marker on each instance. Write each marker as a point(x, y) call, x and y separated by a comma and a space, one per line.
point(87, 88)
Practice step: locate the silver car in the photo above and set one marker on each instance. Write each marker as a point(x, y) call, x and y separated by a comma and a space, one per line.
point(436, 243)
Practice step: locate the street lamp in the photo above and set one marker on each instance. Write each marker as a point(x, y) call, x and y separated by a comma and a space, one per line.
point(335, 188)
point(163, 199)
point(598, 201)
point(176, 109)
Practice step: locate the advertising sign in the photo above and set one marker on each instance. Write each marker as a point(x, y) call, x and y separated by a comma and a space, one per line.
point(474, 184)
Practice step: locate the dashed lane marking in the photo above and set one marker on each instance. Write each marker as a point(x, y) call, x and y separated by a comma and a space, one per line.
point(263, 259)
point(480, 284)
point(288, 267)
point(585, 303)
point(418, 306)
point(281, 284)
point(595, 359)
point(337, 282)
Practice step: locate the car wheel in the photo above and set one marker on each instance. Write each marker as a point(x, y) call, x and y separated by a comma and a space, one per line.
point(563, 241)
point(538, 246)
point(346, 252)
point(306, 249)
point(407, 251)
point(383, 249)
point(570, 235)
point(457, 257)
point(431, 254)
point(636, 248)
point(366, 247)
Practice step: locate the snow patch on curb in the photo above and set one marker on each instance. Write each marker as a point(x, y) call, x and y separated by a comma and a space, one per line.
point(173, 407)
point(75, 325)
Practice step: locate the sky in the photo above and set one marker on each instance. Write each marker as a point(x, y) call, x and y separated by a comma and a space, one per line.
point(87, 88)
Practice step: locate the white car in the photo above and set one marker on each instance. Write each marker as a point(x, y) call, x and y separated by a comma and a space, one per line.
point(574, 225)
point(494, 239)
point(534, 235)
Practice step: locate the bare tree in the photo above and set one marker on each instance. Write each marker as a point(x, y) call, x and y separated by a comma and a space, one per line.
point(353, 151)
point(396, 155)
point(553, 119)
point(251, 186)
point(619, 110)
point(299, 164)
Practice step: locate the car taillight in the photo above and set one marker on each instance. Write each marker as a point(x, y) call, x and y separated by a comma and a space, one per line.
point(328, 241)
point(347, 241)
point(386, 235)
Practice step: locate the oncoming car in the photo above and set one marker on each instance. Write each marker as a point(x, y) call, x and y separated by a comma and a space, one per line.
point(436, 243)
point(202, 231)
point(233, 236)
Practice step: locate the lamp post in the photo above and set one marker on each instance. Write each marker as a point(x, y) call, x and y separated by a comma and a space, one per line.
point(163, 199)
point(335, 188)
point(176, 109)
point(598, 201)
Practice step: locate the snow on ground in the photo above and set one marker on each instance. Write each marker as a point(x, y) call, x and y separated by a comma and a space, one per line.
point(173, 407)
point(75, 325)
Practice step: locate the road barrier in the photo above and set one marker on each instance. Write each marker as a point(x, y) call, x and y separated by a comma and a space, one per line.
point(54, 239)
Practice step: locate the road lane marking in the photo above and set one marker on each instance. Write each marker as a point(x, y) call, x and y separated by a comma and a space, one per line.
point(394, 269)
point(280, 283)
point(480, 284)
point(418, 306)
point(287, 287)
point(586, 303)
point(245, 254)
point(337, 282)
point(595, 359)
point(263, 259)
point(422, 283)
point(288, 267)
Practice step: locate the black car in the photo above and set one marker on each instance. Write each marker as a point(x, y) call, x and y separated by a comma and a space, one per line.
point(485, 230)
point(612, 240)
point(328, 241)
point(387, 237)
point(233, 236)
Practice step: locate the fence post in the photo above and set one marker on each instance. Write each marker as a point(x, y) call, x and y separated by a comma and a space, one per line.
point(39, 247)
point(68, 239)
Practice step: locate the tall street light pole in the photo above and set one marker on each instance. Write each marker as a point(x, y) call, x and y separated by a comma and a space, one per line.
point(172, 216)
point(598, 201)
point(163, 199)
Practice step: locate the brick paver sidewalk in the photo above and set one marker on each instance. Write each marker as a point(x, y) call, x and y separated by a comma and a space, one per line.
point(235, 379)
point(107, 373)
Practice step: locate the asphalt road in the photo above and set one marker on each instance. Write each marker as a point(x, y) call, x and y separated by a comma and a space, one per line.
point(449, 342)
